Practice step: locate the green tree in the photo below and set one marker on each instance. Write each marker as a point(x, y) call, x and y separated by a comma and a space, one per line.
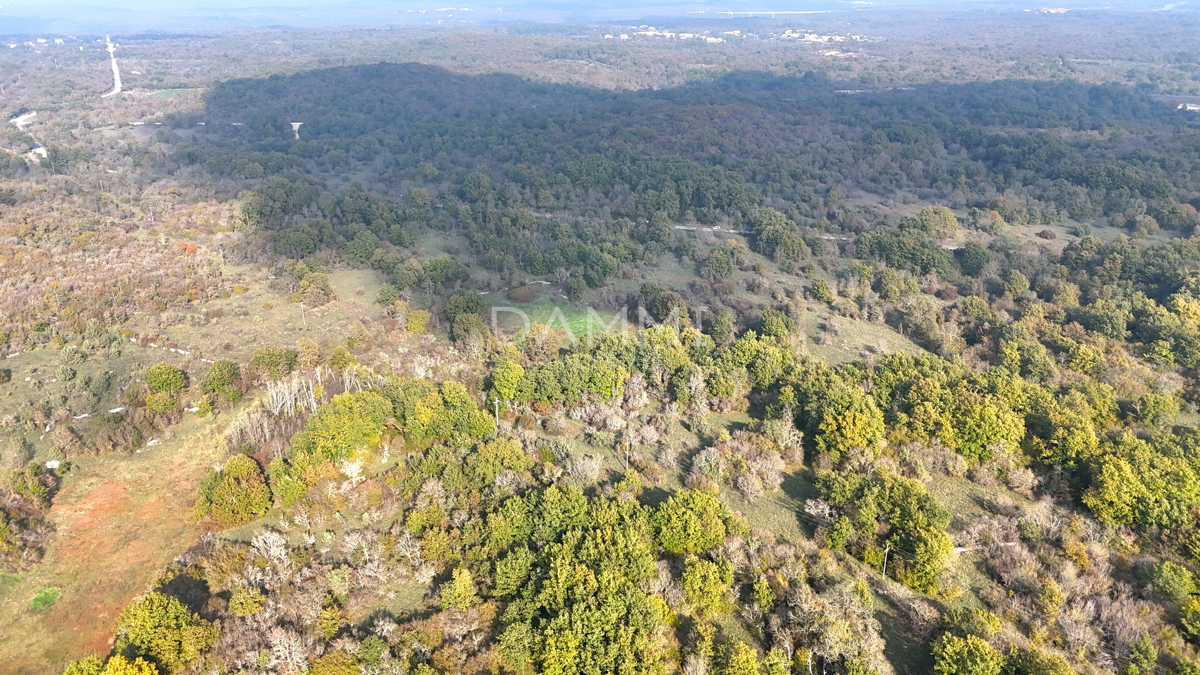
point(1173, 581)
point(965, 656)
point(691, 522)
point(119, 665)
point(350, 423)
point(1015, 283)
point(1143, 656)
point(742, 660)
point(245, 601)
point(235, 495)
point(705, 584)
point(506, 377)
point(459, 592)
point(972, 258)
point(221, 380)
point(937, 222)
point(160, 628)
point(165, 377)
point(1189, 617)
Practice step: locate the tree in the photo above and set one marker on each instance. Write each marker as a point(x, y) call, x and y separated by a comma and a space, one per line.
point(1143, 656)
point(308, 354)
point(1173, 581)
point(931, 548)
point(972, 258)
point(1189, 618)
point(161, 629)
point(705, 584)
point(742, 660)
point(221, 379)
point(965, 656)
point(335, 663)
point(691, 522)
point(235, 495)
point(246, 601)
point(506, 378)
point(937, 222)
point(459, 592)
point(165, 377)
point(1015, 283)
point(119, 665)
point(348, 424)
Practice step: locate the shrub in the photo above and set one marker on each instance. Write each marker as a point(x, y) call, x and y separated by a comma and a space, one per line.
point(525, 294)
point(44, 598)
point(65, 373)
point(965, 656)
point(165, 377)
point(388, 295)
point(1173, 581)
point(308, 354)
point(418, 321)
point(274, 362)
point(705, 584)
point(235, 495)
point(160, 402)
point(88, 665)
point(335, 663)
point(341, 359)
point(246, 601)
point(220, 380)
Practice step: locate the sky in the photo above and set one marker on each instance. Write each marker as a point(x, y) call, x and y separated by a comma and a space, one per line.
point(55, 16)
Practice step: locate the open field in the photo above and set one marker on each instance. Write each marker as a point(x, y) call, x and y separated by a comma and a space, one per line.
point(120, 521)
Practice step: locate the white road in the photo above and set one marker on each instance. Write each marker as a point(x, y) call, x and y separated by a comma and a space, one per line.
point(112, 54)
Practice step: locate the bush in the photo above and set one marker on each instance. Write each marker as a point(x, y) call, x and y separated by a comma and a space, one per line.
point(335, 663)
point(45, 598)
point(341, 359)
point(388, 295)
point(525, 294)
point(234, 495)
point(160, 402)
point(418, 321)
point(1173, 581)
point(965, 656)
point(65, 373)
point(308, 354)
point(1189, 618)
point(274, 362)
point(220, 380)
point(165, 377)
point(245, 601)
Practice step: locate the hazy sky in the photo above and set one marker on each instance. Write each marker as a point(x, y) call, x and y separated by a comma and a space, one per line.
point(55, 16)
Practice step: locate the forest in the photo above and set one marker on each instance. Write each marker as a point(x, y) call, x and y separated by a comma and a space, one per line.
point(907, 380)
